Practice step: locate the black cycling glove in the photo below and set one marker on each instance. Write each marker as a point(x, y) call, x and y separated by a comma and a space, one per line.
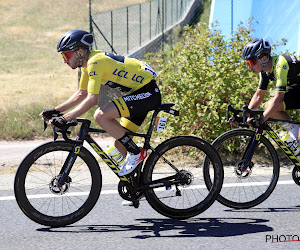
point(236, 119)
point(58, 122)
point(47, 114)
point(256, 122)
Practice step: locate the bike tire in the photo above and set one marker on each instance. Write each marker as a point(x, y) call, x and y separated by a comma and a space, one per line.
point(187, 154)
point(255, 185)
point(44, 203)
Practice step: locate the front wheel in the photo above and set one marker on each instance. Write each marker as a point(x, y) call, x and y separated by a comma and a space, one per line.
point(182, 157)
point(46, 203)
point(248, 188)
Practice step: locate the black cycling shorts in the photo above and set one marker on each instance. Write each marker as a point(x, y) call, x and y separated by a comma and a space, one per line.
point(133, 108)
point(291, 99)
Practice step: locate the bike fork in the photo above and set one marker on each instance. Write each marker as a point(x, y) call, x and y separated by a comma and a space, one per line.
point(66, 168)
point(250, 149)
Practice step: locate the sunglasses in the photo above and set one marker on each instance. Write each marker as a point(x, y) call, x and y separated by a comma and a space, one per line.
point(252, 62)
point(66, 55)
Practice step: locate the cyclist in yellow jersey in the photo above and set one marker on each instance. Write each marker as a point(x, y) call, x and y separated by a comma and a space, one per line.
point(133, 77)
point(284, 70)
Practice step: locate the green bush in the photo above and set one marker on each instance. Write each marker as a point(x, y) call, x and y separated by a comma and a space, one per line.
point(202, 75)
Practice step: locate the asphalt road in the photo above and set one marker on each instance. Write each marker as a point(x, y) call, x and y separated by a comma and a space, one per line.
point(111, 226)
point(272, 225)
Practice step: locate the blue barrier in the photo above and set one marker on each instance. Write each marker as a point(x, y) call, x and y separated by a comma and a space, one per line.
point(276, 19)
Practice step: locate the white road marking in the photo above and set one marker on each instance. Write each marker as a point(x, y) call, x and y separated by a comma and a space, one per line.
point(104, 192)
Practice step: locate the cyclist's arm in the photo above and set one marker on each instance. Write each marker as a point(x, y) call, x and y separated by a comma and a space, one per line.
point(275, 104)
point(281, 72)
point(90, 101)
point(257, 99)
point(74, 100)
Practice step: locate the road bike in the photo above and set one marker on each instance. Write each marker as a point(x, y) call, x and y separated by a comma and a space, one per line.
point(250, 161)
point(59, 182)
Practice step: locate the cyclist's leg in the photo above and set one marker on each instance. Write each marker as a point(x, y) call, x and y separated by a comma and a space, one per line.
point(139, 103)
point(280, 112)
point(135, 106)
point(106, 117)
point(132, 124)
point(291, 100)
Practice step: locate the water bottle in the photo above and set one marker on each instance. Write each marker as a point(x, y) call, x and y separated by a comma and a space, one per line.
point(291, 142)
point(115, 155)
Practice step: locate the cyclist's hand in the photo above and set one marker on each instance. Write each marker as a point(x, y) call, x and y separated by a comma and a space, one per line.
point(47, 114)
point(255, 123)
point(235, 121)
point(58, 122)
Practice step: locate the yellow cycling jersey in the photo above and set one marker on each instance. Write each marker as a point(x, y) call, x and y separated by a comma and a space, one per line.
point(285, 73)
point(126, 74)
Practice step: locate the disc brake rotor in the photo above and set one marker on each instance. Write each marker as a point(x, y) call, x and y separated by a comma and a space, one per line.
point(243, 173)
point(55, 189)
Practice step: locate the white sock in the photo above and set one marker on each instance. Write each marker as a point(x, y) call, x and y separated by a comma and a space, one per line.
point(292, 128)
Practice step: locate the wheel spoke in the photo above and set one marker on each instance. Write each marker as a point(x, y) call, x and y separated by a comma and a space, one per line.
point(249, 188)
point(36, 187)
point(190, 196)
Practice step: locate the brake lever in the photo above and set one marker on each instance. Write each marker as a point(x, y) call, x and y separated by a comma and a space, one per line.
point(45, 126)
point(47, 120)
point(55, 135)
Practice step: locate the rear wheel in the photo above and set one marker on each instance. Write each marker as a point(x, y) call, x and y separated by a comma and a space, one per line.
point(38, 194)
point(245, 189)
point(188, 197)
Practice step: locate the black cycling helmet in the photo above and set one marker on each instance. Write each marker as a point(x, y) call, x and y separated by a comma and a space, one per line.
point(75, 39)
point(256, 48)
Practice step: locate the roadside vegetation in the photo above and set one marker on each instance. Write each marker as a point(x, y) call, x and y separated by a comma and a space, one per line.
point(202, 75)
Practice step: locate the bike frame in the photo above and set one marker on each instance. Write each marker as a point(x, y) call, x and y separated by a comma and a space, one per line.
point(253, 143)
point(282, 145)
point(255, 140)
point(84, 135)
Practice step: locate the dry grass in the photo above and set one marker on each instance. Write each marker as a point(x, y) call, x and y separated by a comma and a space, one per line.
point(104, 5)
point(31, 69)
point(32, 73)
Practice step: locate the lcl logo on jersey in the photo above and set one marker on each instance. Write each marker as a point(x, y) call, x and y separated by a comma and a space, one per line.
point(92, 73)
point(124, 74)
